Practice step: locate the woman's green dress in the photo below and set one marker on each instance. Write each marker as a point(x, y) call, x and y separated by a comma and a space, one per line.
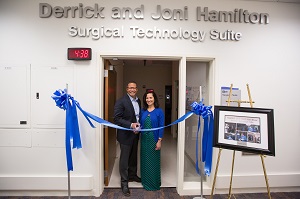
point(150, 160)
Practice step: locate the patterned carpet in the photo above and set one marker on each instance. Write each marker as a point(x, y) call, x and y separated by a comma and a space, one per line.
point(166, 193)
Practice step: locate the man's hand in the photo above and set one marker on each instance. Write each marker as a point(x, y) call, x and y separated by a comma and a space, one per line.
point(136, 127)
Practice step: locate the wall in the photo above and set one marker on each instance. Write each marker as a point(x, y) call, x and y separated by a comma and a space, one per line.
point(266, 57)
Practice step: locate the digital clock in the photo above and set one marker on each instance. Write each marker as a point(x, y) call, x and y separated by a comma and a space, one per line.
point(79, 53)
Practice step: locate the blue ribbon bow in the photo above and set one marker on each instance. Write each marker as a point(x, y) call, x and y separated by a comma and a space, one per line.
point(61, 99)
point(207, 137)
point(68, 103)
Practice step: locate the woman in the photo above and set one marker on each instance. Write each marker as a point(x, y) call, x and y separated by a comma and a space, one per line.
point(152, 117)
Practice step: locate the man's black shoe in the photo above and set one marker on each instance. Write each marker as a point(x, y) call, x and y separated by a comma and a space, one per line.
point(135, 179)
point(125, 191)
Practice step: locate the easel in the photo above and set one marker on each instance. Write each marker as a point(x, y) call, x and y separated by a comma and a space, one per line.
point(232, 166)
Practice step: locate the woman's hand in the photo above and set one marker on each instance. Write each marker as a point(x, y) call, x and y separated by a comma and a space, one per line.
point(158, 145)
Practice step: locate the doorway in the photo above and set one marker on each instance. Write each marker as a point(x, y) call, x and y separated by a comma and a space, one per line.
point(149, 74)
point(143, 72)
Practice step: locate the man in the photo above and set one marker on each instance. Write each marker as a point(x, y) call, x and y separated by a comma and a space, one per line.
point(126, 114)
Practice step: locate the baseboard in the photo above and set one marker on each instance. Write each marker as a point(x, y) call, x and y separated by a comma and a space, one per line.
point(245, 184)
point(45, 183)
point(257, 181)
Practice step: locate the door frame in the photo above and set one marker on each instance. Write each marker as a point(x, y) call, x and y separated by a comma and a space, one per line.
point(182, 188)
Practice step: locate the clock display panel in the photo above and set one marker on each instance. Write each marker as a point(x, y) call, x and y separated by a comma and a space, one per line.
point(79, 53)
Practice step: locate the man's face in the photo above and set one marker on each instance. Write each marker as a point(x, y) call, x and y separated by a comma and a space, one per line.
point(132, 89)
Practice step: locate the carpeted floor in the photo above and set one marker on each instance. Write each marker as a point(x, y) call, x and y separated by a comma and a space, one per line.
point(165, 193)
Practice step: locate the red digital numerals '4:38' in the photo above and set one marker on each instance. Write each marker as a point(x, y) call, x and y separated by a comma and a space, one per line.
point(79, 53)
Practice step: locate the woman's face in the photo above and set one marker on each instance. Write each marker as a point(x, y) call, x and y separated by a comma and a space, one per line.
point(150, 99)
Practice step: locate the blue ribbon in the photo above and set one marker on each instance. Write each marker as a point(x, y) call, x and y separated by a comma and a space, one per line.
point(72, 128)
point(68, 103)
point(207, 138)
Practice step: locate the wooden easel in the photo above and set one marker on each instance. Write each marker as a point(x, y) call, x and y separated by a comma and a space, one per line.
point(232, 166)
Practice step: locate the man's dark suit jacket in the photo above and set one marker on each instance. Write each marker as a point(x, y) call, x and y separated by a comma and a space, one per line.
point(124, 115)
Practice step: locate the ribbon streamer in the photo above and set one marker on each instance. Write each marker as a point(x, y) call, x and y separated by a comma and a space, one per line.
point(207, 138)
point(68, 103)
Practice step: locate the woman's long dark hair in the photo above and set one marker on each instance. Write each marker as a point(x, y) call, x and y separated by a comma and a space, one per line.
point(145, 105)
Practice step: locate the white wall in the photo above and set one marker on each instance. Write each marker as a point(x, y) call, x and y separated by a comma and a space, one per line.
point(267, 57)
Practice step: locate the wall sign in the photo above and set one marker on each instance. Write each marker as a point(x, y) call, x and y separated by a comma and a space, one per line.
point(203, 14)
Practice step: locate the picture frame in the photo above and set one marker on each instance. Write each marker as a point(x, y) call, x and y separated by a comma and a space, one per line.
point(244, 129)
